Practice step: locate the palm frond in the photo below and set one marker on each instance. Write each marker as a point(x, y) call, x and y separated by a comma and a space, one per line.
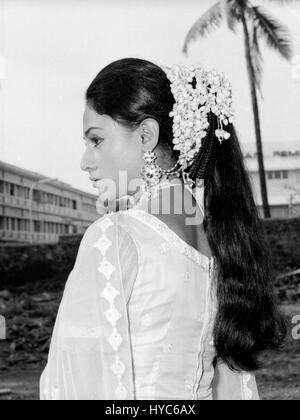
point(233, 13)
point(275, 34)
point(208, 22)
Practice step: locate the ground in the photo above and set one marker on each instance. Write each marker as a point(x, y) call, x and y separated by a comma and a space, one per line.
point(30, 320)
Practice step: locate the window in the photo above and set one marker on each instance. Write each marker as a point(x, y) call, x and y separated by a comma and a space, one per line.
point(22, 191)
point(37, 196)
point(37, 226)
point(277, 174)
point(74, 204)
point(11, 189)
point(23, 225)
point(62, 201)
point(13, 224)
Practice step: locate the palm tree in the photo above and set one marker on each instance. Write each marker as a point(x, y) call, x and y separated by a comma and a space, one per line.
point(257, 24)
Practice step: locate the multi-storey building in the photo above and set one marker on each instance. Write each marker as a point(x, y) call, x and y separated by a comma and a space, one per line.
point(282, 167)
point(52, 209)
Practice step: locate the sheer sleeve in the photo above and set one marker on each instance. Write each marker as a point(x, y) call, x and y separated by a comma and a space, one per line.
point(230, 385)
point(128, 260)
point(90, 353)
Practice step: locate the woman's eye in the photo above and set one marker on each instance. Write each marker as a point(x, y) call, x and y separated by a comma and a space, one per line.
point(96, 141)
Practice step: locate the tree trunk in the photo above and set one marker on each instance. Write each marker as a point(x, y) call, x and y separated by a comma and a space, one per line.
point(259, 148)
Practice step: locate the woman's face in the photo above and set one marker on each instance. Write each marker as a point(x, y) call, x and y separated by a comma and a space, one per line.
point(113, 154)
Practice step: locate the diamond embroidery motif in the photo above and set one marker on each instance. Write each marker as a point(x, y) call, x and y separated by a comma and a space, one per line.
point(106, 268)
point(105, 223)
point(103, 244)
point(118, 367)
point(113, 315)
point(110, 292)
point(115, 340)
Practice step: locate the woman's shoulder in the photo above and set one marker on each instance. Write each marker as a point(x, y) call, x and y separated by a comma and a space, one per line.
point(117, 228)
point(117, 221)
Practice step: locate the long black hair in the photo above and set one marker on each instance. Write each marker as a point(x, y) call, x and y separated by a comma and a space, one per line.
point(248, 322)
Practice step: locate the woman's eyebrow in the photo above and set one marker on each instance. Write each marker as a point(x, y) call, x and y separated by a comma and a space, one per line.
point(92, 128)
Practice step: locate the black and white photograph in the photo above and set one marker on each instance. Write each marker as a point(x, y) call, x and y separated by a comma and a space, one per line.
point(150, 202)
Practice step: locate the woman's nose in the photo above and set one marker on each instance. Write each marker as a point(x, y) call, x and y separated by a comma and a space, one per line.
point(87, 163)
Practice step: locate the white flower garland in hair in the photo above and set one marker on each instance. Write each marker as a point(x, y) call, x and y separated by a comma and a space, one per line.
point(211, 93)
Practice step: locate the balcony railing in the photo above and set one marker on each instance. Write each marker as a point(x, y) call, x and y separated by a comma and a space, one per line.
point(21, 236)
point(46, 208)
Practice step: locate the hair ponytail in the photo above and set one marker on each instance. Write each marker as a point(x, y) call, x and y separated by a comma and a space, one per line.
point(248, 321)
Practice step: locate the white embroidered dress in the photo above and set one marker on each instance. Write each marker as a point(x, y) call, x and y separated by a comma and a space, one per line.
point(136, 319)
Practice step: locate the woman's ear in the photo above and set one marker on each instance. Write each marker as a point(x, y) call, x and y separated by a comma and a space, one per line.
point(149, 133)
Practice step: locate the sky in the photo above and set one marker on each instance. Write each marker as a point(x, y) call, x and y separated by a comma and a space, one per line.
point(54, 48)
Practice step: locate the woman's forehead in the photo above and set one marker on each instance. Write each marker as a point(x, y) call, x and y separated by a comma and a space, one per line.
point(91, 119)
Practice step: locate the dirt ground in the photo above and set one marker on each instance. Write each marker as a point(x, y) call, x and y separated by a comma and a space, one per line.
point(30, 321)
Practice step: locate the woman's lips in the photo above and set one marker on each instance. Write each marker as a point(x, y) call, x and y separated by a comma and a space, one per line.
point(99, 185)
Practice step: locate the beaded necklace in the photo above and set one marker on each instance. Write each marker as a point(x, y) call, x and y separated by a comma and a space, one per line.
point(147, 194)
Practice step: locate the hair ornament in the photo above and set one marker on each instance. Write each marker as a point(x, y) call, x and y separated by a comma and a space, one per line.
point(197, 92)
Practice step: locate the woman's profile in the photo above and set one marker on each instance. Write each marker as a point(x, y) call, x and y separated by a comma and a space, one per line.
point(171, 293)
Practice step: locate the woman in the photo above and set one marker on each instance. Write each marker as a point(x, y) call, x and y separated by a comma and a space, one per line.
point(171, 293)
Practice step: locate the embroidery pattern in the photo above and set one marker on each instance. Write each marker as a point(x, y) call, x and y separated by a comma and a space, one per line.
point(110, 293)
point(248, 394)
point(170, 236)
point(207, 328)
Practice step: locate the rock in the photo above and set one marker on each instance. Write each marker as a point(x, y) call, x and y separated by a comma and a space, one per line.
point(43, 297)
point(5, 294)
point(5, 391)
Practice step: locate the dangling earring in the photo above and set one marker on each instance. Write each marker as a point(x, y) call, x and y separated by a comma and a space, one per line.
point(151, 173)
